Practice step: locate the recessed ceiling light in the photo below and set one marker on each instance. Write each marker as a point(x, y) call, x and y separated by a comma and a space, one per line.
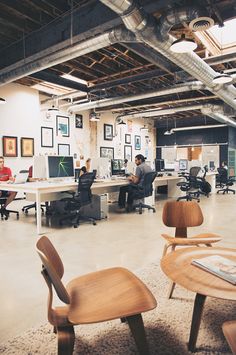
point(183, 45)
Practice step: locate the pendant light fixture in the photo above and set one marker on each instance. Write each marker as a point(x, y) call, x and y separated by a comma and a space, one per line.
point(183, 45)
point(222, 78)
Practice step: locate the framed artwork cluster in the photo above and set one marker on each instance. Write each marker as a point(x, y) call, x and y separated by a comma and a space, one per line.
point(10, 146)
point(63, 130)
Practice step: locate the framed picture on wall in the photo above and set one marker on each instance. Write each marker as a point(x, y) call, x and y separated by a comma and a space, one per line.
point(78, 121)
point(128, 152)
point(63, 149)
point(128, 139)
point(107, 152)
point(9, 146)
point(108, 132)
point(47, 137)
point(137, 142)
point(27, 147)
point(63, 127)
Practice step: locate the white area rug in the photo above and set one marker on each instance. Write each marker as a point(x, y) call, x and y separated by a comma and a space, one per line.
point(167, 327)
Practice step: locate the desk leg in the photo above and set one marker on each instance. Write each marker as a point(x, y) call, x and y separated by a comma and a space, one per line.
point(38, 213)
point(196, 320)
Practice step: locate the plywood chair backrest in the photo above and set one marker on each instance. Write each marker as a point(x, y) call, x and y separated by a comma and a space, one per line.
point(182, 214)
point(53, 266)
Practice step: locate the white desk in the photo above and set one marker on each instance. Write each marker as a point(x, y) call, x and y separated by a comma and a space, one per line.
point(42, 191)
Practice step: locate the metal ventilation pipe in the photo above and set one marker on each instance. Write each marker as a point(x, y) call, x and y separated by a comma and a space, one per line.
point(44, 60)
point(194, 85)
point(147, 29)
point(184, 14)
point(218, 112)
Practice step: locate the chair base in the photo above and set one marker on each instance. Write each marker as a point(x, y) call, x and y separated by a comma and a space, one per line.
point(142, 205)
point(189, 197)
point(26, 209)
point(226, 191)
point(5, 213)
point(75, 220)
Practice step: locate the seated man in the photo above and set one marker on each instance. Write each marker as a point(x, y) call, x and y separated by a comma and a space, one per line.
point(6, 175)
point(136, 183)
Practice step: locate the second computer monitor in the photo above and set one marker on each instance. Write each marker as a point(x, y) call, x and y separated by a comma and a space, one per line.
point(183, 164)
point(117, 167)
point(60, 167)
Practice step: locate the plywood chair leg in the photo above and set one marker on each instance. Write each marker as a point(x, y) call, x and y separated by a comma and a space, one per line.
point(165, 250)
point(66, 340)
point(171, 289)
point(137, 329)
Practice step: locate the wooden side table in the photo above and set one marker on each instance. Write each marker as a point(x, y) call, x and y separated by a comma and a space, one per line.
point(177, 266)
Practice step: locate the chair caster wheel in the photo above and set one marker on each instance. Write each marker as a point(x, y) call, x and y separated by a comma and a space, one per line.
point(75, 226)
point(26, 212)
point(17, 216)
point(94, 223)
point(154, 211)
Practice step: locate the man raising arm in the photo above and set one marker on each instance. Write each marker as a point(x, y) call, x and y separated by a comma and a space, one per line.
point(136, 183)
point(6, 175)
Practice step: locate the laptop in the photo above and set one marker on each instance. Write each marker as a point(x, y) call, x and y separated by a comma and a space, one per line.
point(21, 178)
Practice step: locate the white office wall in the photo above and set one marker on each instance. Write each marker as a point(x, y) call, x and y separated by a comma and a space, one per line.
point(22, 116)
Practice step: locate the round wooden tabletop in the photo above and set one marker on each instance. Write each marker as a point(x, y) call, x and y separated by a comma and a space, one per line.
point(177, 266)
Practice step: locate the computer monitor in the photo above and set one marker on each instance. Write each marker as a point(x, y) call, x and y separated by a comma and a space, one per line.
point(159, 164)
point(211, 165)
point(60, 167)
point(117, 167)
point(183, 164)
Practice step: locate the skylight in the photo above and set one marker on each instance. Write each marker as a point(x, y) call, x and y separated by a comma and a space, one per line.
point(224, 36)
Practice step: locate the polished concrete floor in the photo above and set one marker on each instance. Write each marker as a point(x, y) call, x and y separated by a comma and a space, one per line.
point(129, 240)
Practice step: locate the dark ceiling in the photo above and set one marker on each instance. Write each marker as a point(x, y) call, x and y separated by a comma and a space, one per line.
point(28, 27)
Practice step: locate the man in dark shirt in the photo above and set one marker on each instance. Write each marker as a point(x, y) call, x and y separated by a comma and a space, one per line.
point(6, 175)
point(136, 183)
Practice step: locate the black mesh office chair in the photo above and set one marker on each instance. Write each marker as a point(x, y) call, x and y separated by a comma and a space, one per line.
point(191, 186)
point(145, 191)
point(225, 181)
point(82, 198)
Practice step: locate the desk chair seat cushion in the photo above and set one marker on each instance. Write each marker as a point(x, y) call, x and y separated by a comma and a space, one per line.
point(107, 294)
point(206, 238)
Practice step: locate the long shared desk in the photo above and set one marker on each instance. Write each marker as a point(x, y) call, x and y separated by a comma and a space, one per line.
point(42, 191)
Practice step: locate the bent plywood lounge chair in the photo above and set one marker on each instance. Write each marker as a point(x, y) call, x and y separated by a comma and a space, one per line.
point(95, 297)
point(181, 215)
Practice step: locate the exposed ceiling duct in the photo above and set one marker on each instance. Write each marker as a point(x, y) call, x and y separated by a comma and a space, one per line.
point(147, 29)
point(195, 85)
point(219, 112)
point(199, 21)
point(45, 59)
